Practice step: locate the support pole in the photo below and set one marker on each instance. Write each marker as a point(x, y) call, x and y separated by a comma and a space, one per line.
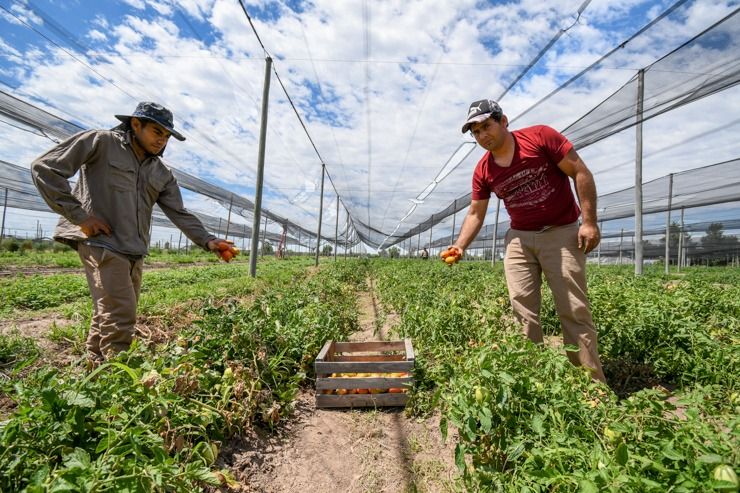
point(495, 232)
point(668, 225)
point(336, 231)
point(454, 216)
point(346, 236)
point(431, 228)
point(598, 250)
point(264, 235)
point(260, 171)
point(5, 208)
point(321, 212)
point(638, 173)
point(680, 256)
point(228, 220)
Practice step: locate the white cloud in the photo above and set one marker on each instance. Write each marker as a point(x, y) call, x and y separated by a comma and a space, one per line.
point(384, 126)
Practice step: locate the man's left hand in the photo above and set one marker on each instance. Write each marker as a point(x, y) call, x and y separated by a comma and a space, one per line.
point(589, 237)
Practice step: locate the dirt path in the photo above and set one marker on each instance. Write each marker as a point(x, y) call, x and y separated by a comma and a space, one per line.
point(368, 450)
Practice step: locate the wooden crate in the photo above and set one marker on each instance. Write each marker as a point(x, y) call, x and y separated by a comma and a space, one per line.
point(381, 357)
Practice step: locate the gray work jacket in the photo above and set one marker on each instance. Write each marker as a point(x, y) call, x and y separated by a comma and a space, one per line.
point(114, 187)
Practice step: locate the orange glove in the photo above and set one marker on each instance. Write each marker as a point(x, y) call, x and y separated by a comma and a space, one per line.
point(226, 250)
point(451, 255)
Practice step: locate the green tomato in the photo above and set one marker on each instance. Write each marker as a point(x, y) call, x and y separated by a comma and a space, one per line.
point(478, 395)
point(612, 435)
point(723, 472)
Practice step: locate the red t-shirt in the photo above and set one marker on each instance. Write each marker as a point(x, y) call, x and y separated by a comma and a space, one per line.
point(535, 191)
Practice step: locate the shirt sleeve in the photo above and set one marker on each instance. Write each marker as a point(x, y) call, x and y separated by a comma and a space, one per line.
point(481, 191)
point(170, 201)
point(51, 173)
point(555, 144)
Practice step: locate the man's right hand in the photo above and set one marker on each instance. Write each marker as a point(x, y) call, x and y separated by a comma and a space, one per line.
point(93, 226)
point(451, 255)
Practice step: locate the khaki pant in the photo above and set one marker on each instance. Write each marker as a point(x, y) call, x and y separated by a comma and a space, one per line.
point(554, 252)
point(115, 282)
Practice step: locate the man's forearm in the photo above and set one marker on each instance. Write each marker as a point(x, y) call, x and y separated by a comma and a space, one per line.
point(586, 191)
point(470, 228)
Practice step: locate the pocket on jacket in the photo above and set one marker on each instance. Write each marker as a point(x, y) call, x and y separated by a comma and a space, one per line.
point(122, 177)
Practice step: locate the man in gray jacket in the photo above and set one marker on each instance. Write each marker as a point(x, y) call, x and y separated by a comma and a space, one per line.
point(107, 216)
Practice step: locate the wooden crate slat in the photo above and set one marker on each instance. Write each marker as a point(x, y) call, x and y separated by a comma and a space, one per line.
point(409, 349)
point(363, 383)
point(363, 366)
point(372, 357)
point(338, 357)
point(361, 400)
point(354, 347)
point(324, 350)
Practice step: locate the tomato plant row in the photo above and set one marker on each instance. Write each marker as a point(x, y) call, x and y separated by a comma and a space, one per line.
point(528, 421)
point(152, 419)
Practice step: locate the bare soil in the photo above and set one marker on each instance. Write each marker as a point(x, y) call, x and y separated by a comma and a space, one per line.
point(327, 450)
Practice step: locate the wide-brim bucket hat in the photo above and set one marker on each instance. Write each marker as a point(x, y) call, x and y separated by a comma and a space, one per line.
point(156, 113)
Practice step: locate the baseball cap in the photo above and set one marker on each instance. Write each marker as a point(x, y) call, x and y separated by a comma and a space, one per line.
point(481, 110)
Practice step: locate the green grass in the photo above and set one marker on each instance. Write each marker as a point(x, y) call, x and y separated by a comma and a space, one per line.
point(16, 350)
point(160, 288)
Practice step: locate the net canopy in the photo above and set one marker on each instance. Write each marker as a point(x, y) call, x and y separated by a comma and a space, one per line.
point(381, 112)
point(22, 193)
point(703, 66)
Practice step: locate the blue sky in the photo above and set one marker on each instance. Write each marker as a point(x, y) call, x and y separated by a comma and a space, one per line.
point(382, 87)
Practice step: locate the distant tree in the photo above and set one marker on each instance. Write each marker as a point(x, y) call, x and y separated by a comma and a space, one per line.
point(394, 252)
point(326, 250)
point(715, 245)
point(715, 234)
point(675, 233)
point(267, 248)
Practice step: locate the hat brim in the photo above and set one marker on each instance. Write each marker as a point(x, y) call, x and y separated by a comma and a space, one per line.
point(175, 133)
point(475, 119)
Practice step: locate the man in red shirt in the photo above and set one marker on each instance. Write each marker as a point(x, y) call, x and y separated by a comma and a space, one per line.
point(529, 169)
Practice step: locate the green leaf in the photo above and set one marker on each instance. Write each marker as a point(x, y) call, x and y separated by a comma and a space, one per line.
point(460, 457)
point(506, 378)
point(587, 486)
point(78, 459)
point(76, 398)
point(538, 425)
point(621, 454)
point(669, 452)
point(443, 428)
point(652, 483)
point(710, 459)
point(130, 371)
point(485, 422)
